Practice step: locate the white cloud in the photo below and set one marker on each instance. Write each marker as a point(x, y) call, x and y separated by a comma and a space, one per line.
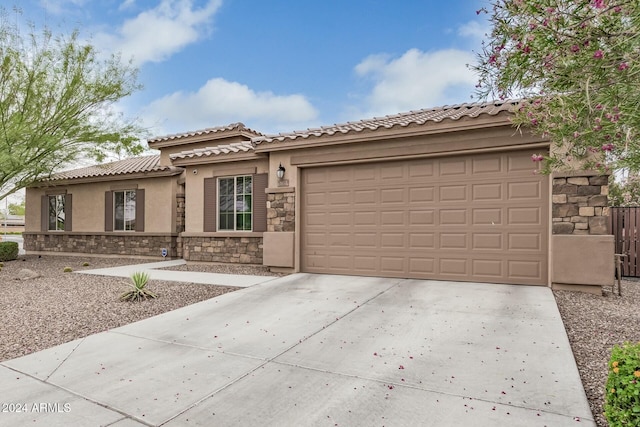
point(474, 29)
point(156, 34)
point(417, 80)
point(220, 102)
point(61, 7)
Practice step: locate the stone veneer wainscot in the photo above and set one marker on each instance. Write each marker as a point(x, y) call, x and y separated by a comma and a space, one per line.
point(239, 250)
point(580, 204)
point(140, 244)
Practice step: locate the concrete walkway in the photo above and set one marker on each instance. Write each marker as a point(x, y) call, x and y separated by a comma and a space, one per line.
point(309, 350)
point(238, 280)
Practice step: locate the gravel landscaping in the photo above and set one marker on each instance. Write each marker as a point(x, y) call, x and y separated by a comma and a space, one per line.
point(594, 324)
point(58, 307)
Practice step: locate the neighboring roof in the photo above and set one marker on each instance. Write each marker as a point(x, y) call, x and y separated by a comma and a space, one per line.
point(134, 165)
point(418, 117)
point(218, 150)
point(231, 130)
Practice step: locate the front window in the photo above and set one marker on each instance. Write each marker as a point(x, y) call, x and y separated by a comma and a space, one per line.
point(124, 210)
point(235, 203)
point(56, 212)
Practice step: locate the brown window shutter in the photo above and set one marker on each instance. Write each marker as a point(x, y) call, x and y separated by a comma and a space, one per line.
point(260, 182)
point(108, 211)
point(139, 210)
point(210, 203)
point(44, 213)
point(68, 209)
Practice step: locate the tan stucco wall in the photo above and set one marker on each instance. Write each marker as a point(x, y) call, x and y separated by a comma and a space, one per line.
point(583, 260)
point(88, 204)
point(194, 188)
point(278, 249)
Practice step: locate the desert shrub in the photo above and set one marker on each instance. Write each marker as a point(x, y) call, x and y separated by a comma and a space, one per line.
point(138, 291)
point(8, 251)
point(68, 269)
point(85, 264)
point(622, 402)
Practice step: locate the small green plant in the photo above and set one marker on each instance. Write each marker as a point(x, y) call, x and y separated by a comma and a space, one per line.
point(85, 264)
point(68, 269)
point(622, 398)
point(1, 264)
point(138, 291)
point(8, 251)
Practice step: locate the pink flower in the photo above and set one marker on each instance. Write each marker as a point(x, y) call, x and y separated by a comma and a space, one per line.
point(537, 158)
point(534, 122)
point(598, 54)
point(598, 4)
point(607, 147)
point(492, 59)
point(575, 48)
point(623, 66)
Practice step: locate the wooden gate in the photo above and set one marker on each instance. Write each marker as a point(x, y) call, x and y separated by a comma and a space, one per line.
point(625, 225)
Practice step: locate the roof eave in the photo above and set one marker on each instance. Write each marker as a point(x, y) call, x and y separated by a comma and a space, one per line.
point(104, 178)
point(219, 158)
point(397, 131)
point(161, 142)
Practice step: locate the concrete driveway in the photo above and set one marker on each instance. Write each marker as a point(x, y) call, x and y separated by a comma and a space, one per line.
point(316, 350)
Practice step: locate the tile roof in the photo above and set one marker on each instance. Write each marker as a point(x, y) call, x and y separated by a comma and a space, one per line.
point(237, 127)
point(133, 165)
point(218, 150)
point(418, 117)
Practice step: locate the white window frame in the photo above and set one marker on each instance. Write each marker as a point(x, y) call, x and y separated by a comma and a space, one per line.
point(127, 224)
point(235, 214)
point(59, 208)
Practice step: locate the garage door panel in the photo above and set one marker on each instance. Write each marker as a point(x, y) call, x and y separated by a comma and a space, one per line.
point(486, 165)
point(453, 217)
point(339, 176)
point(417, 218)
point(422, 266)
point(465, 218)
point(524, 241)
point(453, 167)
point(453, 241)
point(361, 197)
point(524, 190)
point(364, 173)
point(487, 192)
point(486, 216)
point(487, 268)
point(422, 241)
point(340, 218)
point(392, 265)
point(487, 241)
point(421, 169)
point(453, 267)
point(525, 216)
point(453, 193)
point(392, 218)
point(396, 171)
point(525, 269)
point(421, 194)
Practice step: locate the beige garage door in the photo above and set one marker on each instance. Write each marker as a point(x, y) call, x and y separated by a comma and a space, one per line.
point(470, 218)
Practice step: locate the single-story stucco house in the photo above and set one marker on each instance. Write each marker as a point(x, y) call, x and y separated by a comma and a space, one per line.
point(447, 193)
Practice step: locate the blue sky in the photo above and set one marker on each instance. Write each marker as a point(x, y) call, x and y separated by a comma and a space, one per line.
point(278, 65)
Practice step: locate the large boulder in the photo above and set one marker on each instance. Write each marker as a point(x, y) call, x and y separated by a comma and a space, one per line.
point(26, 274)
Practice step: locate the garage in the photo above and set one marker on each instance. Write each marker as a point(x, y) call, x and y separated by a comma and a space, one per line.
point(472, 217)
